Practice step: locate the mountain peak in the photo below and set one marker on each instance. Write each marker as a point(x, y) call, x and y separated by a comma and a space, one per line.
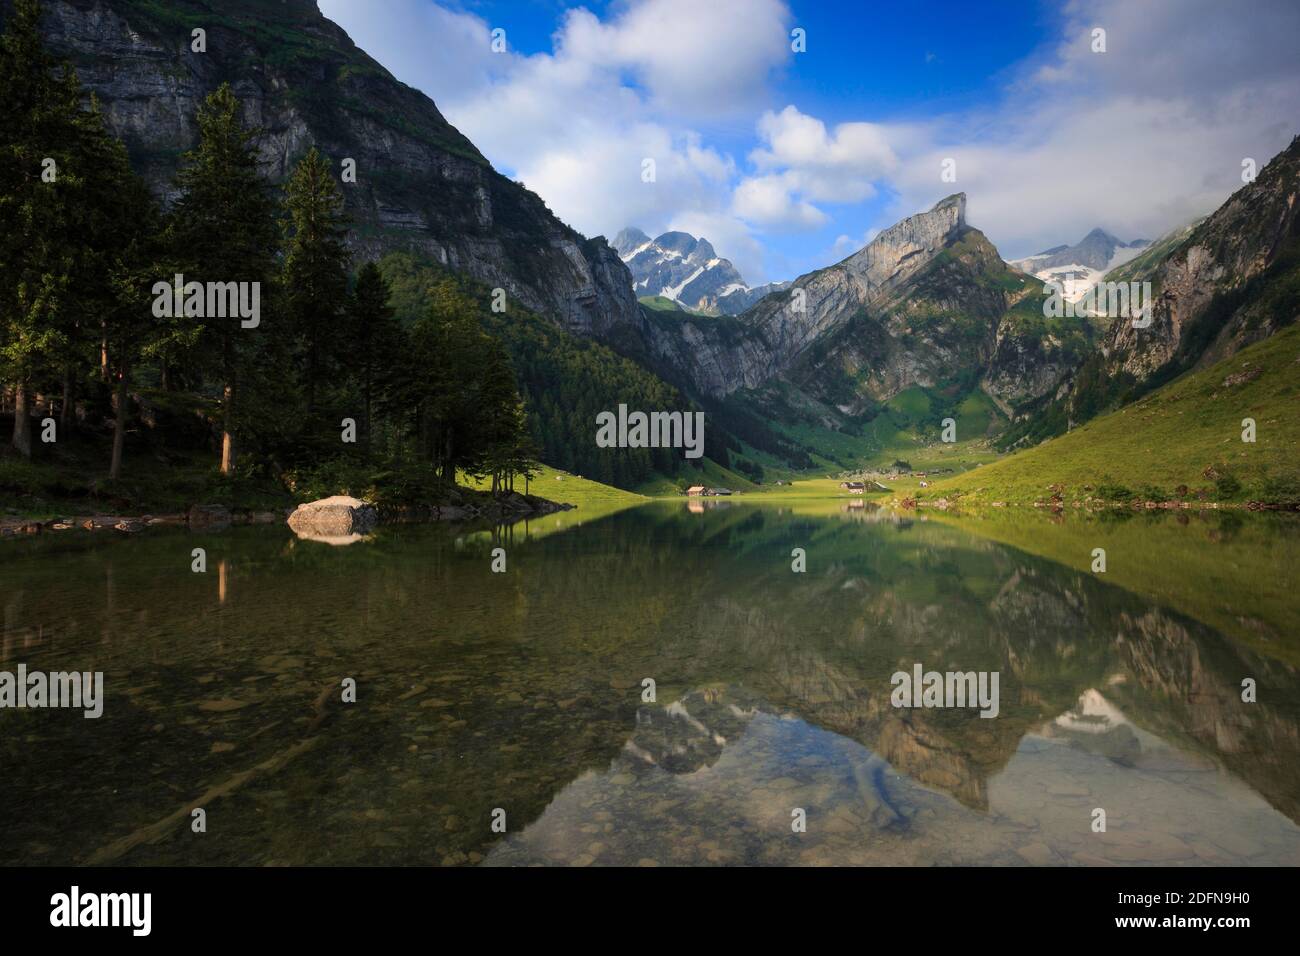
point(957, 202)
point(1079, 266)
point(927, 230)
point(686, 269)
point(629, 240)
point(1101, 234)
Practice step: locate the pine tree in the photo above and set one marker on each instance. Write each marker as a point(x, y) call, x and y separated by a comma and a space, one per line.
point(315, 274)
point(377, 341)
point(501, 445)
point(450, 346)
point(223, 229)
point(39, 245)
point(125, 228)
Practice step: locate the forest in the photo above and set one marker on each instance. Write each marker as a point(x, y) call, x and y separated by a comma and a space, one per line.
point(324, 385)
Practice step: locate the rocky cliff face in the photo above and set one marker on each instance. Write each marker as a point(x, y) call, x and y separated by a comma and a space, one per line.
point(1217, 286)
point(1218, 291)
point(821, 300)
point(929, 302)
point(936, 327)
point(1027, 365)
point(421, 185)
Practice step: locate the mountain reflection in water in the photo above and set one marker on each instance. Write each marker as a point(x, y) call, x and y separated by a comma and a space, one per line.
point(524, 691)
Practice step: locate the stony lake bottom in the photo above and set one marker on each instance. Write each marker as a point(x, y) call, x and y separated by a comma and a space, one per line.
point(519, 697)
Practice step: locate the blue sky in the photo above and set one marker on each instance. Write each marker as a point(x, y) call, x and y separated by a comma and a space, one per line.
point(790, 160)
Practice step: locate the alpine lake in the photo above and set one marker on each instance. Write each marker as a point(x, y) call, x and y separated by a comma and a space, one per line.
point(659, 686)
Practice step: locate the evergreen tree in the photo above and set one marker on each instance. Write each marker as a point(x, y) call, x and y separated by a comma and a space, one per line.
point(39, 244)
point(223, 229)
point(377, 340)
point(315, 274)
point(449, 346)
point(502, 446)
point(127, 233)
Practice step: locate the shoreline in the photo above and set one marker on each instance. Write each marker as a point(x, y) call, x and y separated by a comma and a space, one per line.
point(213, 517)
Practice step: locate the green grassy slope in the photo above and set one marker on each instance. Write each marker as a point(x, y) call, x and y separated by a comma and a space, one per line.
point(561, 486)
point(708, 473)
point(661, 303)
point(1188, 433)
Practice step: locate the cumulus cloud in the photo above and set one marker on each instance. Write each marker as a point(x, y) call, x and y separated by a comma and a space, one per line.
point(1139, 139)
point(800, 163)
point(838, 166)
point(577, 124)
point(771, 201)
point(695, 58)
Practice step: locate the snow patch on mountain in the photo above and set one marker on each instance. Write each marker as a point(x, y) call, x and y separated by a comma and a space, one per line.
point(1079, 267)
point(686, 269)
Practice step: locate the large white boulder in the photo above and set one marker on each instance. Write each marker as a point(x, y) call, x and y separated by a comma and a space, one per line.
point(333, 517)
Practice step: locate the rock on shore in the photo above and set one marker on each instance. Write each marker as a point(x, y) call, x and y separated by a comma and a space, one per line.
point(333, 517)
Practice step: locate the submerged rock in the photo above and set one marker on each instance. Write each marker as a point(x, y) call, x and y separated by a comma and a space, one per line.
point(209, 517)
point(335, 517)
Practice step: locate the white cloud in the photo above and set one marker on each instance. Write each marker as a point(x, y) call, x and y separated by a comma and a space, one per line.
point(1138, 140)
point(839, 167)
point(695, 58)
point(771, 201)
point(576, 124)
point(800, 163)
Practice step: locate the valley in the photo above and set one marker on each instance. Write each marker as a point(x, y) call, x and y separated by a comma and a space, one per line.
point(843, 369)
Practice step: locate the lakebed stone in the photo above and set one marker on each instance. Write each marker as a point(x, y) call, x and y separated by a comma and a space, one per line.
point(209, 517)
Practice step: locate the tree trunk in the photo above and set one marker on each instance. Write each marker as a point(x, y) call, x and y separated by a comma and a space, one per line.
point(448, 462)
point(227, 429)
point(121, 407)
point(366, 386)
point(311, 379)
point(65, 408)
point(22, 440)
point(228, 407)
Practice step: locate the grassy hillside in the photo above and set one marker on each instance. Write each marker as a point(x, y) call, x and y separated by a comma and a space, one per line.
point(708, 473)
point(1183, 441)
point(557, 485)
point(661, 303)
